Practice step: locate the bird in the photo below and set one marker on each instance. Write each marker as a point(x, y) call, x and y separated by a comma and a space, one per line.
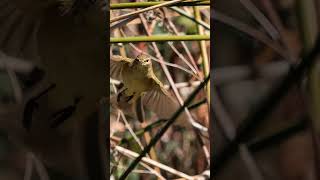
point(140, 81)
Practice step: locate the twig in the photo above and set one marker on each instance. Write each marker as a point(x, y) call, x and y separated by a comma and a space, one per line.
point(160, 133)
point(174, 29)
point(148, 4)
point(135, 13)
point(206, 69)
point(185, 14)
point(153, 125)
point(168, 75)
point(121, 23)
point(204, 54)
point(182, 57)
point(132, 154)
point(151, 171)
point(155, 59)
point(159, 38)
point(178, 85)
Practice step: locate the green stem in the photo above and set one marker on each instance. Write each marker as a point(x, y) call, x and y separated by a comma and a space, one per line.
point(183, 13)
point(159, 38)
point(203, 50)
point(148, 4)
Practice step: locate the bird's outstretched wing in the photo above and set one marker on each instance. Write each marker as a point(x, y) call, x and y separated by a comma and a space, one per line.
point(116, 65)
point(160, 101)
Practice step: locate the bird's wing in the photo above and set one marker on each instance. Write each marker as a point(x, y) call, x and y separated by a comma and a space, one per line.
point(160, 101)
point(116, 65)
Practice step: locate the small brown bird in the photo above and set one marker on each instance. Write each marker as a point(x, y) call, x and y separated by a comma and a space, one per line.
point(139, 80)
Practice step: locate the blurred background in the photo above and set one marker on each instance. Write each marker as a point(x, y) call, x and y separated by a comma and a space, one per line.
point(258, 44)
point(59, 44)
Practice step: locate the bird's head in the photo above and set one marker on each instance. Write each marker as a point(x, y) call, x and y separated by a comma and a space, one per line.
point(143, 60)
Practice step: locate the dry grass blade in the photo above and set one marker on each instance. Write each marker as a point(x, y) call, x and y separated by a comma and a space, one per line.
point(152, 162)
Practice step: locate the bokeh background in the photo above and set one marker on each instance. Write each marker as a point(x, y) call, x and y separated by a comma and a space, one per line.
point(257, 43)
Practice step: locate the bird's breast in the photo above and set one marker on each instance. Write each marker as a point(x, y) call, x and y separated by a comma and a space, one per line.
point(135, 81)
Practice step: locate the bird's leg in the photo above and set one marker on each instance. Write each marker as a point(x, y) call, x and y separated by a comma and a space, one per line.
point(130, 97)
point(120, 94)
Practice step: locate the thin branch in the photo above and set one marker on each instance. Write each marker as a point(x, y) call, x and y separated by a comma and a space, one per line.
point(160, 133)
point(167, 63)
point(148, 4)
point(159, 38)
point(132, 154)
point(204, 54)
point(182, 57)
point(185, 14)
point(168, 75)
point(136, 13)
point(175, 31)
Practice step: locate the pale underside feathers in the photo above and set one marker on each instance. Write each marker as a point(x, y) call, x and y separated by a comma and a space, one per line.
point(158, 99)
